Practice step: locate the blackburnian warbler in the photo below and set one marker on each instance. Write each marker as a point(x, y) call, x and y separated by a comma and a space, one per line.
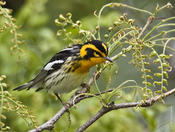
point(68, 68)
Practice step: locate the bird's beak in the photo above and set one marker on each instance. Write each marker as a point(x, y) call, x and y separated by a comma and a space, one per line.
point(108, 59)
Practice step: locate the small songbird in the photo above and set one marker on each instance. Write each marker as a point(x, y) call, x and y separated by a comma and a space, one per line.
point(68, 68)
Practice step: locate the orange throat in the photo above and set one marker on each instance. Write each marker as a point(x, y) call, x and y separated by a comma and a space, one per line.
point(85, 65)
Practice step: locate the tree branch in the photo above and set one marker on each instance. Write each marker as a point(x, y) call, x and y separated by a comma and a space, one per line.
point(111, 107)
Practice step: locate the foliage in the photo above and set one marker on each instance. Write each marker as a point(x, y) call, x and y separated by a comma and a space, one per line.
point(121, 34)
point(8, 102)
point(8, 23)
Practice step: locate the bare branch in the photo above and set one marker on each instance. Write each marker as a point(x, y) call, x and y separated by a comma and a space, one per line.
point(149, 21)
point(111, 107)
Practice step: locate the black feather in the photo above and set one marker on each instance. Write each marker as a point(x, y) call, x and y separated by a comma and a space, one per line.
point(63, 55)
point(24, 86)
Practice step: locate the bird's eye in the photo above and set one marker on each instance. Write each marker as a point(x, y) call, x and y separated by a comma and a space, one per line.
point(96, 55)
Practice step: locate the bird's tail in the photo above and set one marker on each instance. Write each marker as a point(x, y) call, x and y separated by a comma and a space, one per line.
point(25, 86)
point(36, 82)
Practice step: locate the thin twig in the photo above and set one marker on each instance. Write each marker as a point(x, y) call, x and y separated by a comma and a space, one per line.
point(149, 21)
point(111, 107)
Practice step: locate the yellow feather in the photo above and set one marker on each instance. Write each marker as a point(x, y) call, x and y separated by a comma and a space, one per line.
point(104, 46)
point(85, 65)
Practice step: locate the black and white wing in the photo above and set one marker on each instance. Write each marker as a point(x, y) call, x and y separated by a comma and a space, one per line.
point(60, 58)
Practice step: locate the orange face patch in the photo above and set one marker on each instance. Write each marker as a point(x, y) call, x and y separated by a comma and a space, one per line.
point(85, 65)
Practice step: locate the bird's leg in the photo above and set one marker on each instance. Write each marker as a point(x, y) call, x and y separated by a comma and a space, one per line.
point(58, 97)
point(64, 104)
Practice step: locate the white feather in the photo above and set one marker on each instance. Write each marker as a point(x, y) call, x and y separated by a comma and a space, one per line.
point(49, 65)
point(67, 49)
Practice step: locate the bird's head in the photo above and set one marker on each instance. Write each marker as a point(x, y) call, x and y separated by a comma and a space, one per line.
point(92, 53)
point(95, 51)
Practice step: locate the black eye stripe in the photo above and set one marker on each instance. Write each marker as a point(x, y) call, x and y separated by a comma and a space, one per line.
point(89, 50)
point(90, 53)
point(98, 53)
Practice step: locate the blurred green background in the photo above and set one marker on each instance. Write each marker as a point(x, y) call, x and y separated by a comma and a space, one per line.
point(41, 43)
